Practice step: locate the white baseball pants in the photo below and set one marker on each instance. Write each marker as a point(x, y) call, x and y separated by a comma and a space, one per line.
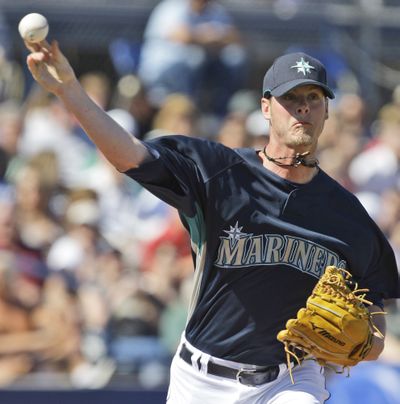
point(190, 385)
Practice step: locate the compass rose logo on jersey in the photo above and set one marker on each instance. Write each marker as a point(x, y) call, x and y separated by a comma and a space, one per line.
point(235, 234)
point(303, 66)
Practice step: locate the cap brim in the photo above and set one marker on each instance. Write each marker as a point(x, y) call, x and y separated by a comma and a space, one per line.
point(284, 88)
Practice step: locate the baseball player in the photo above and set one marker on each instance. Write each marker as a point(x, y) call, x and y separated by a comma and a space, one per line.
point(263, 225)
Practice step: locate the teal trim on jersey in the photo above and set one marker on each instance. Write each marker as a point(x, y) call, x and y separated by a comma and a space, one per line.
point(197, 230)
point(197, 227)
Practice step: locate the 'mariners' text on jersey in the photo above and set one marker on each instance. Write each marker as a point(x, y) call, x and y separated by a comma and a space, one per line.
point(240, 249)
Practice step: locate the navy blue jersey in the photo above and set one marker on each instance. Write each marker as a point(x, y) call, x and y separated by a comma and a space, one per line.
point(260, 243)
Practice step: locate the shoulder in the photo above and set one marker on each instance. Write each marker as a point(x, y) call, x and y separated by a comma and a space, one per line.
point(342, 201)
point(336, 190)
point(209, 156)
point(193, 147)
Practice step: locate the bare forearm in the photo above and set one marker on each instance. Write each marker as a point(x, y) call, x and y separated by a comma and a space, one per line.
point(117, 145)
point(51, 69)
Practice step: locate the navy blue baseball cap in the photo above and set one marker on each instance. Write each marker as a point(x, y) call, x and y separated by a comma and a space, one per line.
point(293, 70)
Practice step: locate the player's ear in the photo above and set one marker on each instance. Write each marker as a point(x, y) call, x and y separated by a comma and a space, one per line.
point(266, 107)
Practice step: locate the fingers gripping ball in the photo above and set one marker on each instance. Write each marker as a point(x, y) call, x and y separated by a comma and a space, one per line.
point(334, 327)
point(33, 27)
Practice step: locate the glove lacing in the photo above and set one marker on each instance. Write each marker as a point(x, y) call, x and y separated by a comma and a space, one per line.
point(334, 286)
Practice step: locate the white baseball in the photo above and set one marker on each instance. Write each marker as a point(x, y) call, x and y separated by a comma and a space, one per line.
point(33, 27)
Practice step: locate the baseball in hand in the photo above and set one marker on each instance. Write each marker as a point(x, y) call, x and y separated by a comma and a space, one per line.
point(33, 27)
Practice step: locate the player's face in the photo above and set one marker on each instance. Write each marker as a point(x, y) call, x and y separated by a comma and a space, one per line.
point(297, 117)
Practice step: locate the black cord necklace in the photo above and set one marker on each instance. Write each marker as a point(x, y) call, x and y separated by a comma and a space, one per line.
point(297, 160)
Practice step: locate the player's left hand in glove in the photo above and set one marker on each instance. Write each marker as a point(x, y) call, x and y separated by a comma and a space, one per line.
point(335, 327)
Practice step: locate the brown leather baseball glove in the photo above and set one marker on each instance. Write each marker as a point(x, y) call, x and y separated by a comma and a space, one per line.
point(335, 327)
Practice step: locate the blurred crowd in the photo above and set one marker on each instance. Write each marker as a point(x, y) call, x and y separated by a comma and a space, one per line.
point(95, 272)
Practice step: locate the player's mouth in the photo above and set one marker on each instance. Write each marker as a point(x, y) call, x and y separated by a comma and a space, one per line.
point(301, 123)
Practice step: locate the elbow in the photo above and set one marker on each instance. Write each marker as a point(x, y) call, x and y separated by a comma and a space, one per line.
point(123, 167)
point(120, 164)
point(128, 159)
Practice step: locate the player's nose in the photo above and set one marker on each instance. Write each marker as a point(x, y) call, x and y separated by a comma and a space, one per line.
point(303, 107)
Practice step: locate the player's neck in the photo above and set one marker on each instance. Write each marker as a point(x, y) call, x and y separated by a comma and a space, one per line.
point(296, 167)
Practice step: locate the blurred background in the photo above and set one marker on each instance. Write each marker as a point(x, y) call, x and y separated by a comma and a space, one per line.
point(95, 273)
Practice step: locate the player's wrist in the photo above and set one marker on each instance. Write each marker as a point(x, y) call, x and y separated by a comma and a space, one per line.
point(378, 344)
point(68, 89)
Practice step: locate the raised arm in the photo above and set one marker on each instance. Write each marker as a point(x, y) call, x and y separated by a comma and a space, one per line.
point(51, 69)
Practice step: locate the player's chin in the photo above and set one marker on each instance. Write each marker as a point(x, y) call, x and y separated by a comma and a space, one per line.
point(302, 139)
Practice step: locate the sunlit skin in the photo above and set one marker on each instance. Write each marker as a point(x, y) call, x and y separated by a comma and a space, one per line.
point(297, 117)
point(296, 122)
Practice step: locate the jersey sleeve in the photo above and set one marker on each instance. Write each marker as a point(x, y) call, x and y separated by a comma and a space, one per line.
point(382, 278)
point(377, 267)
point(369, 255)
point(180, 168)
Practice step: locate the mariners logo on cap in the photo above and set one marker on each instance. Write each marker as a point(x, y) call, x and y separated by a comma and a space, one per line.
point(302, 66)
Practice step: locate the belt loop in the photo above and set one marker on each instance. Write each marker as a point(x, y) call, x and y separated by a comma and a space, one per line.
point(283, 367)
point(204, 359)
point(196, 360)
